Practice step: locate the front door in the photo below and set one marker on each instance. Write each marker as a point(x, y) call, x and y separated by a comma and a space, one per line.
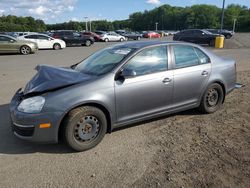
point(8, 45)
point(149, 89)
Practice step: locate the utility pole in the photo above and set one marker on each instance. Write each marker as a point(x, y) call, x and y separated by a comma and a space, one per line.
point(86, 23)
point(222, 16)
point(156, 26)
point(234, 24)
point(90, 25)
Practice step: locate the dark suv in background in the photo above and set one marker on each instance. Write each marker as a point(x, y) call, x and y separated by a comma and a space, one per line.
point(73, 38)
point(227, 34)
point(199, 36)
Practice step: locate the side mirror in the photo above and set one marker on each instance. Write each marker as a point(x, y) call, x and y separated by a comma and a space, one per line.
point(126, 73)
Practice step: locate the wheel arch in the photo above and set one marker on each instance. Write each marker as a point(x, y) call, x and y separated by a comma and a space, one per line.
point(92, 104)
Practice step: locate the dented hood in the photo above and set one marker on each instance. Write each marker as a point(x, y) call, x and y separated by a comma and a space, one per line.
point(50, 78)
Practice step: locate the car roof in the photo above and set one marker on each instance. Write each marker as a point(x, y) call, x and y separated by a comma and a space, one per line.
point(143, 44)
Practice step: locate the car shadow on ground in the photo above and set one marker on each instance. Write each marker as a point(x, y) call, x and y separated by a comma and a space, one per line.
point(9, 144)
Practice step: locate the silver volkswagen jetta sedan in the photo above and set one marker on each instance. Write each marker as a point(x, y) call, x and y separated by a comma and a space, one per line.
point(116, 86)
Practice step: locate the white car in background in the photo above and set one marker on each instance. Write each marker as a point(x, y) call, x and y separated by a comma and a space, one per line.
point(44, 41)
point(112, 37)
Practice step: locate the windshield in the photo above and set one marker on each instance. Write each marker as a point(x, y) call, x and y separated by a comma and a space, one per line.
point(103, 61)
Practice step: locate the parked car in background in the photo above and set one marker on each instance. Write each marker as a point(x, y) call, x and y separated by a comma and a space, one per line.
point(132, 35)
point(107, 37)
point(92, 34)
point(44, 41)
point(199, 36)
point(72, 38)
point(19, 34)
point(151, 34)
point(117, 86)
point(227, 34)
point(10, 44)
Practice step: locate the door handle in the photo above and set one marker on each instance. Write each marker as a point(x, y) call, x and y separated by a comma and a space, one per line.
point(204, 73)
point(166, 80)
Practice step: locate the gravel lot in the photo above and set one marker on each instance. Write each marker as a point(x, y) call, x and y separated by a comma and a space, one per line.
point(182, 150)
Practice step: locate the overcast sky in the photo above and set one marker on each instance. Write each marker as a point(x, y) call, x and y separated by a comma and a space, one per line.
point(55, 11)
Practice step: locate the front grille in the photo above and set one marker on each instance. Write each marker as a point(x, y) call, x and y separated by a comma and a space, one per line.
point(23, 131)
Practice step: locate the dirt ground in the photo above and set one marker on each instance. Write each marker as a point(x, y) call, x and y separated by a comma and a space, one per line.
point(197, 150)
point(187, 149)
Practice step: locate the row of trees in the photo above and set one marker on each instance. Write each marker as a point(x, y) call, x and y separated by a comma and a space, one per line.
point(168, 18)
point(14, 23)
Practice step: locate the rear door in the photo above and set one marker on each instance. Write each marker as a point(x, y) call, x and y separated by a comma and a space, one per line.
point(192, 69)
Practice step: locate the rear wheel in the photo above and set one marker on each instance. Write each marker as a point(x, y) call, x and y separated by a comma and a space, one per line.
point(25, 50)
point(138, 38)
point(84, 128)
point(88, 43)
point(56, 46)
point(212, 99)
point(121, 39)
point(106, 40)
point(228, 36)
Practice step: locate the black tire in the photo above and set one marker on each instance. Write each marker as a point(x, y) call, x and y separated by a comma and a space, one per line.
point(79, 121)
point(56, 46)
point(121, 39)
point(106, 40)
point(212, 99)
point(211, 42)
point(25, 50)
point(88, 43)
point(228, 36)
point(138, 38)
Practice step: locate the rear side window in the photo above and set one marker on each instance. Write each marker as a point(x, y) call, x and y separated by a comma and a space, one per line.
point(149, 61)
point(185, 56)
point(203, 58)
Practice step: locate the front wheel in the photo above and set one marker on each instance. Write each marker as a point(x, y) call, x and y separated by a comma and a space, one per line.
point(212, 99)
point(84, 128)
point(106, 40)
point(138, 38)
point(25, 50)
point(121, 39)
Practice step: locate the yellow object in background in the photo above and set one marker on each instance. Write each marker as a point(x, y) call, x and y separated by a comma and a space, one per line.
point(219, 41)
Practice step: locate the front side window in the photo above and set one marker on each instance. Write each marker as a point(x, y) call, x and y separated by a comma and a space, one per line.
point(31, 37)
point(148, 61)
point(185, 56)
point(4, 39)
